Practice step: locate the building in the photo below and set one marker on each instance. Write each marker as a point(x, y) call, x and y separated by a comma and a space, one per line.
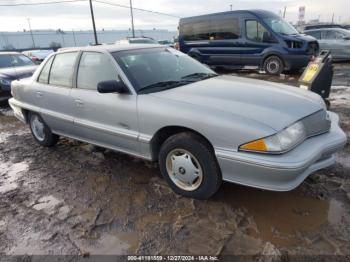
point(50, 38)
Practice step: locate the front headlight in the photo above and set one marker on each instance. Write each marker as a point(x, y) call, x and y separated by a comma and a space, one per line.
point(278, 143)
point(5, 82)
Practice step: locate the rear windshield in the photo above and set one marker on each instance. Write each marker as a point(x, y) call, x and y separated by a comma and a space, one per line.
point(14, 60)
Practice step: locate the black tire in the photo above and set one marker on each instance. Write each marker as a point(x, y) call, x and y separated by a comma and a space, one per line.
point(273, 65)
point(201, 150)
point(49, 139)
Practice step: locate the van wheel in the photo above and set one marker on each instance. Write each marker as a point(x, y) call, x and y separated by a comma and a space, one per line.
point(41, 132)
point(189, 166)
point(273, 65)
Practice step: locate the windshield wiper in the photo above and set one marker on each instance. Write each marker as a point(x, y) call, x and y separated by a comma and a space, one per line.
point(163, 85)
point(200, 76)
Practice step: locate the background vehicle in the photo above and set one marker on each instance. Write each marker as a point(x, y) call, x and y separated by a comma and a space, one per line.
point(137, 40)
point(159, 104)
point(166, 42)
point(37, 55)
point(246, 38)
point(336, 40)
point(13, 66)
point(320, 26)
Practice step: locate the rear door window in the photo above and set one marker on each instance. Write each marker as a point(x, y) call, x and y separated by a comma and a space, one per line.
point(94, 67)
point(258, 33)
point(44, 74)
point(62, 70)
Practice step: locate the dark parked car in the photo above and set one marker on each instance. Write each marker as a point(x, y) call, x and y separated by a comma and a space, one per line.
point(13, 66)
point(246, 38)
point(336, 40)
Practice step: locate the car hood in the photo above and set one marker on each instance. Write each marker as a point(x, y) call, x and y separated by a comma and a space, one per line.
point(272, 104)
point(303, 37)
point(13, 73)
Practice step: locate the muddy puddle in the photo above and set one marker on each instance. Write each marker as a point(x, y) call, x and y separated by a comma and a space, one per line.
point(285, 218)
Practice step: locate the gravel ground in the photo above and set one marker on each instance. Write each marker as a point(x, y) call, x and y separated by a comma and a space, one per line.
point(76, 199)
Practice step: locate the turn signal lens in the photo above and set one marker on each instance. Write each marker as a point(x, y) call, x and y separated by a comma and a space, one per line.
point(258, 145)
point(280, 142)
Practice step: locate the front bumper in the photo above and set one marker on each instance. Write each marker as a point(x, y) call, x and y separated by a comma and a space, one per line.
point(286, 171)
point(296, 62)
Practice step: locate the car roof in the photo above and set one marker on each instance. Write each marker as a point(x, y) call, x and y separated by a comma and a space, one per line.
point(9, 53)
point(110, 48)
point(328, 29)
point(254, 12)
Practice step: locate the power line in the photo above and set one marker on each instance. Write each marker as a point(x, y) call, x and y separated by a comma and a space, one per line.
point(42, 3)
point(135, 8)
point(98, 1)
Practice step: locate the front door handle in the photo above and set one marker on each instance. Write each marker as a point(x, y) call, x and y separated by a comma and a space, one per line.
point(39, 94)
point(79, 103)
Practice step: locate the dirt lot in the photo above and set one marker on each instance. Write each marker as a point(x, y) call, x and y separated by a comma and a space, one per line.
point(78, 200)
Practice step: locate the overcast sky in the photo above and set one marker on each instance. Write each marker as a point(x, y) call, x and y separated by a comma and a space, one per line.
point(76, 16)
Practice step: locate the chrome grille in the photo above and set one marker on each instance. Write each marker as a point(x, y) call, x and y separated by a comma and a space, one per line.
point(317, 123)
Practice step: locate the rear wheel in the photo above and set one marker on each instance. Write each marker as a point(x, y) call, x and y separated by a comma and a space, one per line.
point(273, 65)
point(40, 131)
point(189, 166)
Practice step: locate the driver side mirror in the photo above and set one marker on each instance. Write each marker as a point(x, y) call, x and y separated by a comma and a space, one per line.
point(112, 86)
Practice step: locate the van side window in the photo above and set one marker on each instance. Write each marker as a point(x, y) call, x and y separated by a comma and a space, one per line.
point(227, 28)
point(62, 69)
point(94, 68)
point(44, 74)
point(211, 29)
point(258, 33)
point(196, 31)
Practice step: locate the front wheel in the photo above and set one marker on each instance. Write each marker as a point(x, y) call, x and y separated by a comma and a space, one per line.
point(189, 166)
point(40, 131)
point(273, 65)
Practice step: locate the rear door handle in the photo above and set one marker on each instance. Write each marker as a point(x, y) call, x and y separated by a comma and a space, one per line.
point(39, 94)
point(79, 103)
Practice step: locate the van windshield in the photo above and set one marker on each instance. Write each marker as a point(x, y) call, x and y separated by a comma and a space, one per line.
point(280, 26)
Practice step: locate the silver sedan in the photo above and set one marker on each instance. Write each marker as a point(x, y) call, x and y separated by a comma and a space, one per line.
point(159, 104)
point(337, 40)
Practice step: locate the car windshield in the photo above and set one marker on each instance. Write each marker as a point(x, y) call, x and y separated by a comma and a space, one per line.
point(14, 60)
point(280, 26)
point(158, 69)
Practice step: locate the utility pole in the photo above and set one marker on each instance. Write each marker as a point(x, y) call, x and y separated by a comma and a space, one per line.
point(75, 41)
point(231, 7)
point(284, 12)
point(93, 22)
point(333, 18)
point(30, 30)
point(132, 19)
